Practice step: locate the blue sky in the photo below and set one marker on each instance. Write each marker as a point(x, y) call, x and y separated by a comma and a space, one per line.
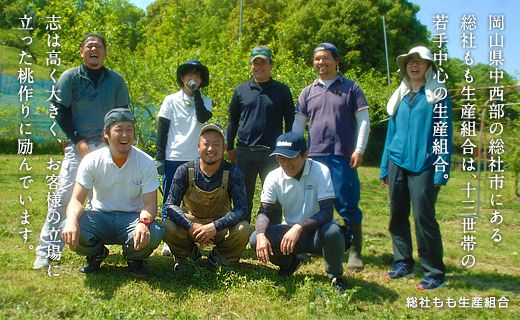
point(455, 9)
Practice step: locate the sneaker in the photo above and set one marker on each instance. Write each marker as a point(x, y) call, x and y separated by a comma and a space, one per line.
point(285, 272)
point(428, 283)
point(41, 263)
point(166, 250)
point(399, 270)
point(339, 284)
point(136, 268)
point(94, 262)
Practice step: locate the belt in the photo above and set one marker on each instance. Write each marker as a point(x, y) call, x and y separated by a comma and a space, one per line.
point(254, 148)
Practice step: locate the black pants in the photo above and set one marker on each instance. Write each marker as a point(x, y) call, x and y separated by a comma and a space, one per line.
point(418, 190)
point(254, 163)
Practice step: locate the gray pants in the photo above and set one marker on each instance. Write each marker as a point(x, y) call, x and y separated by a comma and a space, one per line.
point(418, 190)
point(98, 228)
point(327, 241)
point(50, 236)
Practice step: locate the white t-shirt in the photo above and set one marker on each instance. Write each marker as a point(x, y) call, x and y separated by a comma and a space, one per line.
point(118, 189)
point(299, 198)
point(183, 134)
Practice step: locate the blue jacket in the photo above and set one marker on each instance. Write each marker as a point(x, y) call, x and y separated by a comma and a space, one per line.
point(410, 137)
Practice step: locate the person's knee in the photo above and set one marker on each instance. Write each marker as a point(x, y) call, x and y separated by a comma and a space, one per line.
point(156, 234)
point(332, 232)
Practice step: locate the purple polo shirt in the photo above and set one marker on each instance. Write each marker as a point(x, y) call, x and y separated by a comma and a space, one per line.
point(331, 114)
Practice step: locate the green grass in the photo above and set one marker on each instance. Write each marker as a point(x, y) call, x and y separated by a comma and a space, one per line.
point(253, 290)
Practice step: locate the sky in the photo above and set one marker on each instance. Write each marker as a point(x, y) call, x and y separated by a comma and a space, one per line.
point(455, 10)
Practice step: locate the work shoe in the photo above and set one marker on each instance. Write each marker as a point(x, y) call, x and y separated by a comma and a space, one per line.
point(339, 284)
point(166, 250)
point(41, 263)
point(94, 262)
point(304, 257)
point(287, 271)
point(428, 283)
point(185, 263)
point(136, 268)
point(355, 259)
point(217, 261)
point(400, 270)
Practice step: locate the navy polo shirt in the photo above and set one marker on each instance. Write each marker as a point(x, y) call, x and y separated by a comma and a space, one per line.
point(258, 112)
point(331, 113)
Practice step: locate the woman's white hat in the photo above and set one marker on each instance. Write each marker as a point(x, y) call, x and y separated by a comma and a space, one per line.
point(422, 52)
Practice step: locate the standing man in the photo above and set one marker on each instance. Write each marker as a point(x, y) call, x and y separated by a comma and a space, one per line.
point(85, 94)
point(260, 110)
point(337, 111)
point(124, 203)
point(304, 189)
point(213, 199)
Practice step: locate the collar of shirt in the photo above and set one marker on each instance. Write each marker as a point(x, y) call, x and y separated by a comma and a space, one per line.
point(318, 81)
point(265, 85)
point(84, 73)
point(108, 156)
point(186, 98)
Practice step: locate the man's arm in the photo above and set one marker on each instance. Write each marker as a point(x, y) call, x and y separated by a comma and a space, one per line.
point(163, 126)
point(288, 105)
point(233, 120)
point(201, 112)
point(142, 231)
point(362, 132)
point(70, 233)
point(263, 246)
point(177, 190)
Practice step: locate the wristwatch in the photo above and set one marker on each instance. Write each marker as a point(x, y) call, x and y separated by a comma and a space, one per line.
point(145, 221)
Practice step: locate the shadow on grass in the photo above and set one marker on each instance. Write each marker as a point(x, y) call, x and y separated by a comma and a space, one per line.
point(458, 278)
point(204, 277)
point(461, 278)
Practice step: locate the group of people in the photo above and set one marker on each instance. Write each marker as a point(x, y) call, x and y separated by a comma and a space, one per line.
point(209, 201)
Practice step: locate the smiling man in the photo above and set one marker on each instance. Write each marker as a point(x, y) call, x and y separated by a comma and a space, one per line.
point(84, 95)
point(339, 125)
point(304, 189)
point(213, 199)
point(260, 110)
point(124, 203)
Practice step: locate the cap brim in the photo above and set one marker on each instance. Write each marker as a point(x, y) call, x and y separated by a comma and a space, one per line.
point(285, 153)
point(260, 56)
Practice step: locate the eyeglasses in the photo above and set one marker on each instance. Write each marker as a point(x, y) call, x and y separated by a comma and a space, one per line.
point(261, 52)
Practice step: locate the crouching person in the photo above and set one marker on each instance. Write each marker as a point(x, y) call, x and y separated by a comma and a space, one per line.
point(124, 202)
point(207, 186)
point(304, 189)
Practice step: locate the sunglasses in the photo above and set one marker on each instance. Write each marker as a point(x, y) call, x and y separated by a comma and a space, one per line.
point(119, 116)
point(261, 52)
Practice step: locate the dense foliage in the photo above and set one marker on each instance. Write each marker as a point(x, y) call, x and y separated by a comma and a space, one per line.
point(146, 47)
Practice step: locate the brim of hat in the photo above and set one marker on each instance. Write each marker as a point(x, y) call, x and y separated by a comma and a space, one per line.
point(260, 56)
point(213, 128)
point(204, 72)
point(285, 153)
point(401, 62)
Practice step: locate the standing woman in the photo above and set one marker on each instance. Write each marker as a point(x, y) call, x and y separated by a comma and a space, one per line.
point(414, 167)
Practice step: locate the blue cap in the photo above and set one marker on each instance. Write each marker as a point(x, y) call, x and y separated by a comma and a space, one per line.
point(290, 145)
point(327, 46)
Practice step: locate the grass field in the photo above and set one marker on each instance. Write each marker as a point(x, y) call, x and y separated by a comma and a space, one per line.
point(253, 290)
